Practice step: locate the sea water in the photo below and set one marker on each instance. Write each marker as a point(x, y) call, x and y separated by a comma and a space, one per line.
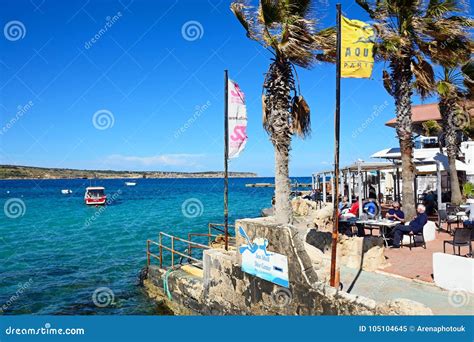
point(59, 256)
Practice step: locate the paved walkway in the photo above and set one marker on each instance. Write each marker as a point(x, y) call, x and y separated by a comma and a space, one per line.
point(381, 287)
point(417, 263)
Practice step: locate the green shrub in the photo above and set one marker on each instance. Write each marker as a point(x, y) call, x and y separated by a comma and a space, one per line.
point(468, 190)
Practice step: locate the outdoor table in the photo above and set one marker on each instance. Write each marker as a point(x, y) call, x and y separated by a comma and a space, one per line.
point(382, 225)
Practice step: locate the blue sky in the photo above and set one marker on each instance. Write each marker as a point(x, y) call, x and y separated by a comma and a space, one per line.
point(159, 92)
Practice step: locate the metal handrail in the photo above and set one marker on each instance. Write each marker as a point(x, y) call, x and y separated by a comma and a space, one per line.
point(216, 226)
point(161, 246)
point(191, 245)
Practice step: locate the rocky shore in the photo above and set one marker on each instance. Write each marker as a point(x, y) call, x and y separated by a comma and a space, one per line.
point(30, 172)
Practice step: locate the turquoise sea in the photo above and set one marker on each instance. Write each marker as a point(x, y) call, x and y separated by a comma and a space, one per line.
point(56, 252)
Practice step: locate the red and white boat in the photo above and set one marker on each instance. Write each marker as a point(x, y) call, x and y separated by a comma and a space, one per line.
point(95, 195)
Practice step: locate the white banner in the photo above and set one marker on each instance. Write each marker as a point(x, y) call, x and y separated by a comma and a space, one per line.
point(237, 120)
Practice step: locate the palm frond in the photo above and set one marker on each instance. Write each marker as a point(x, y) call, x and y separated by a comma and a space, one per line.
point(270, 12)
point(366, 6)
point(239, 11)
point(325, 41)
point(300, 117)
point(424, 77)
point(438, 8)
point(297, 45)
point(297, 7)
point(387, 82)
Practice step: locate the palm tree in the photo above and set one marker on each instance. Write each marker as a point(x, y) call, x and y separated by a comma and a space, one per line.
point(408, 33)
point(286, 29)
point(453, 120)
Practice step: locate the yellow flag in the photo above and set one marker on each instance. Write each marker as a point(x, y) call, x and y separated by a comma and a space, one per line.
point(357, 59)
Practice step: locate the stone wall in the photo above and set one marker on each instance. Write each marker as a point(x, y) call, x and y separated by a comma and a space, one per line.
point(365, 253)
point(226, 289)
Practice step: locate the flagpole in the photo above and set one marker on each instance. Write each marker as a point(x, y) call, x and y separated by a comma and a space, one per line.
point(226, 159)
point(334, 280)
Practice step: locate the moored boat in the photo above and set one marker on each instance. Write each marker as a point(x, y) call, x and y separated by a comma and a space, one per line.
point(95, 195)
point(66, 191)
point(130, 183)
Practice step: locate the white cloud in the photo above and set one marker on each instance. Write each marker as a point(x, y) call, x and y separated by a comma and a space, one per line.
point(161, 160)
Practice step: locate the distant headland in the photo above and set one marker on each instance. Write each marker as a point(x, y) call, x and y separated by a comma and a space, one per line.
point(32, 172)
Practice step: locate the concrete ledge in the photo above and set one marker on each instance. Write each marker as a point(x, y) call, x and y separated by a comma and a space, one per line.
point(226, 290)
point(453, 272)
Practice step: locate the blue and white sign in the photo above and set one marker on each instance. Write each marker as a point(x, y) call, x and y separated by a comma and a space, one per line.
point(256, 260)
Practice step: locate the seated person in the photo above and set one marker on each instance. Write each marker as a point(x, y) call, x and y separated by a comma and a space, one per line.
point(370, 208)
point(429, 201)
point(313, 196)
point(354, 210)
point(395, 213)
point(372, 192)
point(344, 204)
point(415, 226)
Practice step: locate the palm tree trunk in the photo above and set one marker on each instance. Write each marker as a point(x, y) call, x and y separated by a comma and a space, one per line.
point(283, 209)
point(401, 78)
point(447, 107)
point(278, 85)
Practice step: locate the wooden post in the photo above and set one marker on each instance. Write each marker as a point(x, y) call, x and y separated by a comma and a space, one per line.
point(337, 116)
point(226, 159)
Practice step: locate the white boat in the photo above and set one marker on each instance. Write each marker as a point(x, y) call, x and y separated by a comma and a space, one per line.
point(95, 195)
point(130, 183)
point(66, 191)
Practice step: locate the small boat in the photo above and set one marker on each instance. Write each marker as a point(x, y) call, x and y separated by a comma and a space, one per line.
point(130, 183)
point(95, 195)
point(66, 191)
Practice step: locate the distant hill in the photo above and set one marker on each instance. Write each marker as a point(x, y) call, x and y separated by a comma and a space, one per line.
point(31, 172)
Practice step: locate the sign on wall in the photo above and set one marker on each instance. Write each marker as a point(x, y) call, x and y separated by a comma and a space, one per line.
point(257, 261)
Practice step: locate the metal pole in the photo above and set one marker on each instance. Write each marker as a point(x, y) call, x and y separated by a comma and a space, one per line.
point(337, 117)
point(343, 190)
point(438, 186)
point(379, 180)
point(398, 185)
point(332, 187)
point(359, 178)
point(324, 188)
point(349, 187)
point(226, 159)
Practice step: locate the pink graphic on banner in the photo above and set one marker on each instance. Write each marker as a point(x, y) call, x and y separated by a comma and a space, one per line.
point(237, 120)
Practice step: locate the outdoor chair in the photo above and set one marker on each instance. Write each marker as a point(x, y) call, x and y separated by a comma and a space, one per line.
point(461, 238)
point(443, 217)
point(413, 237)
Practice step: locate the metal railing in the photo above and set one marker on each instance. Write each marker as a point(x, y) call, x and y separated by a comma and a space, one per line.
point(161, 246)
point(185, 253)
